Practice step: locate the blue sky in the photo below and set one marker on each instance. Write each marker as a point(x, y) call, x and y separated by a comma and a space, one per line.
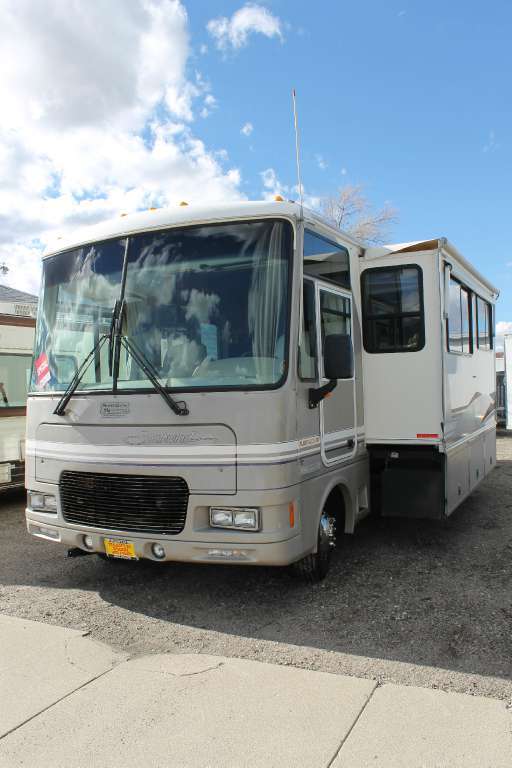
point(410, 99)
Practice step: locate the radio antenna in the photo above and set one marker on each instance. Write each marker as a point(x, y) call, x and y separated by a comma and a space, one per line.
point(297, 150)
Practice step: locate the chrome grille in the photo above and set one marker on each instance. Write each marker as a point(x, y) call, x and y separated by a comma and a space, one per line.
point(139, 503)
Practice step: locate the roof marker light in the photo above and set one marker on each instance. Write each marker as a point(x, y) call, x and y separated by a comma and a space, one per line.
point(183, 202)
point(152, 209)
point(124, 214)
point(278, 199)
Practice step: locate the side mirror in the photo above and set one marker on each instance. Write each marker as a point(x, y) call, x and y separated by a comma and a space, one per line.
point(338, 356)
point(338, 364)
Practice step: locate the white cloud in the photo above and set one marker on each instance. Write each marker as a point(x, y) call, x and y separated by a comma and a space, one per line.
point(250, 19)
point(209, 104)
point(503, 328)
point(247, 129)
point(343, 171)
point(272, 186)
point(97, 112)
point(321, 162)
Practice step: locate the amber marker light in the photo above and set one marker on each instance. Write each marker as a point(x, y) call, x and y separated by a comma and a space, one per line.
point(291, 513)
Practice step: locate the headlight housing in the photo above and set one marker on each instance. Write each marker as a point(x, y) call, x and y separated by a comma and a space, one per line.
point(42, 502)
point(240, 518)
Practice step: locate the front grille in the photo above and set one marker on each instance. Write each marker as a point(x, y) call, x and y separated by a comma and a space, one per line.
point(139, 503)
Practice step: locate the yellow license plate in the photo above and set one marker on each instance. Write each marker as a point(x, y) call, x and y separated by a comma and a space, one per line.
point(120, 548)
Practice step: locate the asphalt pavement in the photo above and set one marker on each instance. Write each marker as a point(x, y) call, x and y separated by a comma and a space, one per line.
point(407, 601)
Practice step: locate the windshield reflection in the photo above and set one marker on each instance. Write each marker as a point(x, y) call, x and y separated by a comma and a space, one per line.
point(206, 306)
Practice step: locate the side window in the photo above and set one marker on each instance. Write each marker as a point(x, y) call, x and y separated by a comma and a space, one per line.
point(335, 314)
point(14, 378)
point(460, 337)
point(326, 260)
point(307, 344)
point(484, 324)
point(393, 318)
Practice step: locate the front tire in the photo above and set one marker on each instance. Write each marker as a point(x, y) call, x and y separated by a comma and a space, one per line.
point(315, 566)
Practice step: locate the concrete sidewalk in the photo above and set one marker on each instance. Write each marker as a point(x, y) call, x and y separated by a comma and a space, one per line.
point(66, 700)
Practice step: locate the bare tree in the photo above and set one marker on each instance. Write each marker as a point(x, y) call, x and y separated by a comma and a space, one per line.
point(351, 211)
point(3, 268)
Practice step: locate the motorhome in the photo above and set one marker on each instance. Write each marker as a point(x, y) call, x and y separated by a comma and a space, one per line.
point(240, 383)
point(17, 323)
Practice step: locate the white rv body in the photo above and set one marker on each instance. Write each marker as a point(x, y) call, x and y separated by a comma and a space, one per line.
point(436, 396)
point(255, 438)
point(17, 323)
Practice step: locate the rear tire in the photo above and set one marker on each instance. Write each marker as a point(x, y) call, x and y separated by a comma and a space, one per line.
point(315, 566)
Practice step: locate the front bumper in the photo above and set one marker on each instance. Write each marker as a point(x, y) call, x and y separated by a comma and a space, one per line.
point(238, 550)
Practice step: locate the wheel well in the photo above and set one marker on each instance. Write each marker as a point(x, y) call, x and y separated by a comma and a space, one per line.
point(335, 506)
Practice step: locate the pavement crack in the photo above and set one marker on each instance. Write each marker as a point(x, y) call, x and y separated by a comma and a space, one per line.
point(168, 673)
point(356, 720)
point(202, 671)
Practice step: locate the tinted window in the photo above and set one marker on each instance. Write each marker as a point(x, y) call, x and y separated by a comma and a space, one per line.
point(459, 319)
point(335, 315)
point(325, 259)
point(393, 309)
point(484, 324)
point(307, 347)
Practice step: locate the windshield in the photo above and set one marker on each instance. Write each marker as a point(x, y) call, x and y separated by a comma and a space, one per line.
point(206, 306)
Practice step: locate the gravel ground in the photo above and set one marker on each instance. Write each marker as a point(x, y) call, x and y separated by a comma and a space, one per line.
point(414, 602)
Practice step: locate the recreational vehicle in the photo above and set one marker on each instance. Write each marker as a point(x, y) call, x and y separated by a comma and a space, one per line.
point(240, 383)
point(17, 323)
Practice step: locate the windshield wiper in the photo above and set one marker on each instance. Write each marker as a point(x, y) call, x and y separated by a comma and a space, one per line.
point(118, 340)
point(77, 378)
point(179, 408)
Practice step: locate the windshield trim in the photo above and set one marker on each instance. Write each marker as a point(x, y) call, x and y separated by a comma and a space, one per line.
point(104, 391)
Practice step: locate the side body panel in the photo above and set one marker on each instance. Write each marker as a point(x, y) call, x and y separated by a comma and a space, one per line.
point(403, 390)
point(438, 403)
point(16, 337)
point(469, 395)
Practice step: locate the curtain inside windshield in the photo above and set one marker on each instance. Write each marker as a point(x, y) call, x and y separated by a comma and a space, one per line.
point(205, 306)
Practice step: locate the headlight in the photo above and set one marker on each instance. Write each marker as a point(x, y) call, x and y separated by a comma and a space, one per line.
point(42, 501)
point(247, 518)
point(223, 518)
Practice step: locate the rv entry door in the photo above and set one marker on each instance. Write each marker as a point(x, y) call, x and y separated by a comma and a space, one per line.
point(337, 412)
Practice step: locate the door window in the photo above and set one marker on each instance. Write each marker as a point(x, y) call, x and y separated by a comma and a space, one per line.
point(335, 315)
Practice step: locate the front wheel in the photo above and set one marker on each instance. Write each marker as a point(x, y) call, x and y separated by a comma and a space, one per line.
point(315, 566)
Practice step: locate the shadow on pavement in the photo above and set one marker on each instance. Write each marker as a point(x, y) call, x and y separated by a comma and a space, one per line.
point(437, 594)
